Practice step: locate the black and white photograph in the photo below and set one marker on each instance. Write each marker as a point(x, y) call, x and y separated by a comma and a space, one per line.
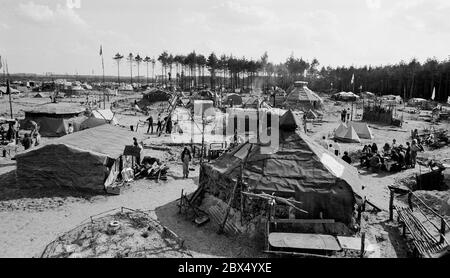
point(210, 130)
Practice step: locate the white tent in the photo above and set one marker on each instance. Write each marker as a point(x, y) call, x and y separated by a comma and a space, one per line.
point(341, 130)
point(362, 129)
point(349, 136)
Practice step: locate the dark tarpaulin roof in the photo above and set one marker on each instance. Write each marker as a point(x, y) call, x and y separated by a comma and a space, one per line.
point(105, 139)
point(56, 109)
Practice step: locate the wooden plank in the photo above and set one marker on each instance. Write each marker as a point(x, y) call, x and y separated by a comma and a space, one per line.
point(304, 241)
point(303, 221)
point(352, 243)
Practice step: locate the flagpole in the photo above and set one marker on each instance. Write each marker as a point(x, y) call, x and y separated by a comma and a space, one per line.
point(103, 78)
point(8, 89)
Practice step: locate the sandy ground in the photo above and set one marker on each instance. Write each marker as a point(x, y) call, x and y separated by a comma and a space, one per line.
point(33, 218)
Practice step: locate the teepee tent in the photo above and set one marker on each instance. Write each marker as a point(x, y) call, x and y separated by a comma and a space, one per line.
point(362, 129)
point(301, 97)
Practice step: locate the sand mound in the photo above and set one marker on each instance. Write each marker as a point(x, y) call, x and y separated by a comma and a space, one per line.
point(126, 233)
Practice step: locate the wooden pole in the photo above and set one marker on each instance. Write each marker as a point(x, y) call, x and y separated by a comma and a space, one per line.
point(8, 91)
point(391, 206)
point(363, 241)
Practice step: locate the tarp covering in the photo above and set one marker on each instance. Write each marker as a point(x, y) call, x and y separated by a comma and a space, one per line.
point(99, 117)
point(62, 108)
point(235, 99)
point(300, 168)
point(61, 165)
point(341, 130)
point(301, 97)
point(55, 126)
point(104, 139)
point(84, 159)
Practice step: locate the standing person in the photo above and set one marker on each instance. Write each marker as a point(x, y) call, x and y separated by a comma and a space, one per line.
point(408, 155)
point(337, 148)
point(324, 142)
point(70, 129)
point(136, 144)
point(186, 158)
point(150, 124)
point(414, 149)
point(343, 112)
point(159, 124)
point(27, 141)
point(394, 143)
point(348, 114)
point(331, 149)
point(304, 123)
point(169, 125)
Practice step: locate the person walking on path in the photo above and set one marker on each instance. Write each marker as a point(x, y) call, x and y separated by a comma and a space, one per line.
point(150, 124)
point(159, 124)
point(186, 158)
point(414, 149)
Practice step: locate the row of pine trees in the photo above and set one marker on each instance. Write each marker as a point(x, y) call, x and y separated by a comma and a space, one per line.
point(407, 79)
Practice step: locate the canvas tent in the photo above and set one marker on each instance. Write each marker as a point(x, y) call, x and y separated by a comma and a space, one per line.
point(341, 130)
point(53, 118)
point(362, 129)
point(300, 168)
point(348, 135)
point(346, 96)
point(234, 99)
point(300, 97)
point(99, 117)
point(89, 159)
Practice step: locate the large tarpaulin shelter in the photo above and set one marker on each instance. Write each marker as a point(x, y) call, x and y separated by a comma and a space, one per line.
point(90, 159)
point(54, 118)
point(300, 168)
point(300, 97)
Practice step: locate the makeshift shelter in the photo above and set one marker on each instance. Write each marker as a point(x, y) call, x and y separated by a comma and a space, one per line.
point(348, 136)
point(416, 101)
point(362, 129)
point(345, 96)
point(300, 97)
point(299, 168)
point(89, 159)
point(3, 90)
point(234, 99)
point(99, 117)
point(368, 95)
point(54, 118)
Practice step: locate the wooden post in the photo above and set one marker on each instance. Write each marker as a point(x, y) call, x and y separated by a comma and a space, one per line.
point(442, 238)
point(363, 240)
point(391, 206)
point(410, 201)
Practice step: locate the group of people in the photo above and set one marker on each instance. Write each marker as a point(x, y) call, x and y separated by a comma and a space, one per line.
point(403, 156)
point(159, 124)
point(12, 135)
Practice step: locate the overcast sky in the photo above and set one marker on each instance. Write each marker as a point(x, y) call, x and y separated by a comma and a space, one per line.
point(51, 36)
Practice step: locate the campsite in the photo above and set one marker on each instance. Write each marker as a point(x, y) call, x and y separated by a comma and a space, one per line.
point(66, 174)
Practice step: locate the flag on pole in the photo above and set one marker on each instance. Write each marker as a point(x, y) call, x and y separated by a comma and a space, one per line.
point(353, 79)
point(101, 51)
point(434, 93)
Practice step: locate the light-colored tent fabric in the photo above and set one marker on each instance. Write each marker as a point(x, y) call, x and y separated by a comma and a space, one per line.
point(362, 129)
point(299, 168)
point(203, 106)
point(300, 97)
point(341, 130)
point(350, 136)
